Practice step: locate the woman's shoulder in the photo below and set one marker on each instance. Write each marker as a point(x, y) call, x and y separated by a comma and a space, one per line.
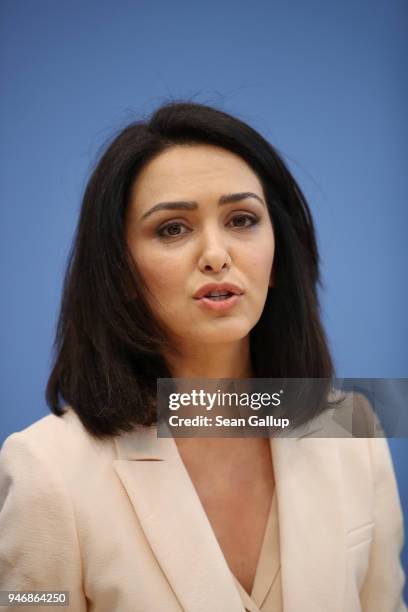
point(52, 428)
point(56, 439)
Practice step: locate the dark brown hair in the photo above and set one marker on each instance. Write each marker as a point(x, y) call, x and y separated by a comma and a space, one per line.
point(108, 346)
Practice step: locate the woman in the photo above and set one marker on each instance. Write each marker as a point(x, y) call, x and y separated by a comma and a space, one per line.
point(182, 211)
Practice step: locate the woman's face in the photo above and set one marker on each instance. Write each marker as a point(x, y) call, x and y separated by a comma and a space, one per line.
point(197, 215)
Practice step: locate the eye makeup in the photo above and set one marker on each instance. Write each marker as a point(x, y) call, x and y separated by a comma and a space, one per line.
point(249, 219)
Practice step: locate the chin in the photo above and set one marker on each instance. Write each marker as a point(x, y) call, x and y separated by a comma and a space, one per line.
point(221, 333)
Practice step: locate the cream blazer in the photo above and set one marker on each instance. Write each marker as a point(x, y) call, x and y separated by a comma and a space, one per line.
point(119, 525)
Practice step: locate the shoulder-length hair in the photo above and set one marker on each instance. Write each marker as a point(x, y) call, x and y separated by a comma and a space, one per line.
point(108, 346)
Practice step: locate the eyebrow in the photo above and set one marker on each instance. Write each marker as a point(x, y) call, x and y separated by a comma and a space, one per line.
point(189, 205)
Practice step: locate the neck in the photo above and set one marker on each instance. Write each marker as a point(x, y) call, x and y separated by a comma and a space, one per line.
point(214, 361)
point(227, 360)
point(226, 461)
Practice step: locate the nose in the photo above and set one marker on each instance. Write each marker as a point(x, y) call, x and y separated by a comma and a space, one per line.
point(214, 255)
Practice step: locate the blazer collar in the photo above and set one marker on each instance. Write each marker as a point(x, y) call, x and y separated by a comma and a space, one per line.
point(310, 515)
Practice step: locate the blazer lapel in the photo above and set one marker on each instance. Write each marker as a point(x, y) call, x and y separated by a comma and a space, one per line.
point(311, 524)
point(310, 514)
point(174, 522)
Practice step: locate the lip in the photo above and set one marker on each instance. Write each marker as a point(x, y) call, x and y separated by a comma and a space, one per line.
point(229, 287)
point(220, 305)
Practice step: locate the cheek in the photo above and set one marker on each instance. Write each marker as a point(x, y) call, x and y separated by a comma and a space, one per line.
point(162, 274)
point(267, 251)
point(267, 259)
point(258, 259)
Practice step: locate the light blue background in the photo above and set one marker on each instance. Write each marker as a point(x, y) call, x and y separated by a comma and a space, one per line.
point(325, 81)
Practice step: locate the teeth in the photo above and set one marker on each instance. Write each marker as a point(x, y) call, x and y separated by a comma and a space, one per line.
point(218, 297)
point(217, 293)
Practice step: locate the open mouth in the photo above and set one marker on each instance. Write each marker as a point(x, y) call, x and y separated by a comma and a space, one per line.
point(219, 297)
point(220, 301)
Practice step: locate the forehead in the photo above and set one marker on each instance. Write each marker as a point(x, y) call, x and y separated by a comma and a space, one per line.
point(194, 172)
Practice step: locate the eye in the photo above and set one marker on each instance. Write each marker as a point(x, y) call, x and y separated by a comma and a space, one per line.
point(243, 221)
point(171, 230)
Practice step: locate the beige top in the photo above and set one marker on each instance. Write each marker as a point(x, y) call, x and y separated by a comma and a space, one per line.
point(266, 593)
point(339, 551)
